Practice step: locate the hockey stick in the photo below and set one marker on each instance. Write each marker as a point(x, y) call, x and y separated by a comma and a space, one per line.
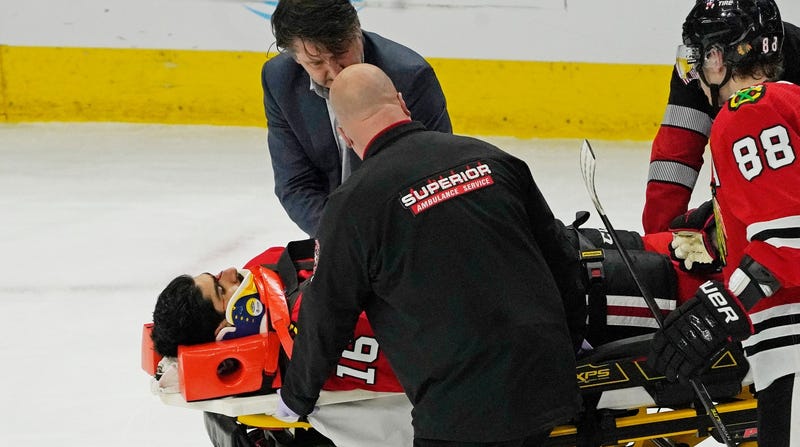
point(588, 163)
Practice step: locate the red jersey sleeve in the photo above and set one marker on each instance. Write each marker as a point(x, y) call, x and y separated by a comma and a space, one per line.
point(675, 161)
point(676, 155)
point(363, 364)
point(687, 283)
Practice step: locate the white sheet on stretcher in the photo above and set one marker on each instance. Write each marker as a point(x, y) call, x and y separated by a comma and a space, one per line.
point(356, 418)
point(364, 418)
point(265, 404)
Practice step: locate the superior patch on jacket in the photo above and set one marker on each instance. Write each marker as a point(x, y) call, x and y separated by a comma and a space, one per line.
point(447, 185)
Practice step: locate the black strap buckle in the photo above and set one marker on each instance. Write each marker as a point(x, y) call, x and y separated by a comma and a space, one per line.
point(593, 260)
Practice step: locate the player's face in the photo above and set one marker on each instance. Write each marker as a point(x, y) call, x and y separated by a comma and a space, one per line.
point(714, 71)
point(219, 289)
point(322, 65)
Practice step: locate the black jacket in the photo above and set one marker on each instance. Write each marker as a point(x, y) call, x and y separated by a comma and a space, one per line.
point(451, 249)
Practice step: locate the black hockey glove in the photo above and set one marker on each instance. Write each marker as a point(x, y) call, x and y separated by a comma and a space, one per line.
point(697, 330)
point(693, 239)
point(751, 282)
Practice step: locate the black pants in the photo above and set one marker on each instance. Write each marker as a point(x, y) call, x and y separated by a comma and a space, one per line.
point(534, 440)
point(775, 413)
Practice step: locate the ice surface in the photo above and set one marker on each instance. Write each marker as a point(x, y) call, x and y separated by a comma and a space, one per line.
point(97, 218)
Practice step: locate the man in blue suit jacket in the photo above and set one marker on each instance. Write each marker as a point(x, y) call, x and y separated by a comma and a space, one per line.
point(317, 39)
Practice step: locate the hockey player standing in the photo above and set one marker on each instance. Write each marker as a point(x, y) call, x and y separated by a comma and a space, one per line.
point(448, 245)
point(677, 152)
point(734, 48)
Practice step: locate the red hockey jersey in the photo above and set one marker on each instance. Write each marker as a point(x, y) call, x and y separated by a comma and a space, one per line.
point(754, 147)
point(363, 364)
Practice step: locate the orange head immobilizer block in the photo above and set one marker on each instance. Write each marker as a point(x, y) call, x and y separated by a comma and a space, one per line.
point(233, 366)
point(226, 368)
point(220, 368)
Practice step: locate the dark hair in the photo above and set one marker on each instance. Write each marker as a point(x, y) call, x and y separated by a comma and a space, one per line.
point(330, 24)
point(183, 317)
point(770, 69)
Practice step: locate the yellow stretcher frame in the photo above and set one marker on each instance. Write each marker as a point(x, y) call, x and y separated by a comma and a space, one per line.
point(642, 429)
point(682, 426)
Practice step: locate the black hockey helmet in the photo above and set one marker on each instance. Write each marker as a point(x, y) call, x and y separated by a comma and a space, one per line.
point(744, 30)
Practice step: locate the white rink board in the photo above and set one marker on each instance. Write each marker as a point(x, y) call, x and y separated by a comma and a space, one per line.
point(615, 31)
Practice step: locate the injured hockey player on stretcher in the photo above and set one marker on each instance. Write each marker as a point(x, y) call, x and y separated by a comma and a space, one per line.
point(218, 343)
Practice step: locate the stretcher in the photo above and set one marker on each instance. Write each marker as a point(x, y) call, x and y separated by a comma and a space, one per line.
point(625, 403)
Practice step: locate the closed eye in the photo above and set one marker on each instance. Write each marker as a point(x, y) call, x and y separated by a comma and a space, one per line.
point(218, 289)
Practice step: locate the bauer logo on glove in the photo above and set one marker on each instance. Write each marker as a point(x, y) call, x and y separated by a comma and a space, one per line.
point(697, 330)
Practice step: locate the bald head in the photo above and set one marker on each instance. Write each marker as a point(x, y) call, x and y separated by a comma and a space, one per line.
point(361, 90)
point(365, 102)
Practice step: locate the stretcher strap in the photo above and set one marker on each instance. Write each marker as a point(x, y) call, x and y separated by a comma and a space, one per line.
point(270, 288)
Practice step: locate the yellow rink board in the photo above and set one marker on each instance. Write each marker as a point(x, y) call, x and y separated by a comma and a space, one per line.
point(486, 97)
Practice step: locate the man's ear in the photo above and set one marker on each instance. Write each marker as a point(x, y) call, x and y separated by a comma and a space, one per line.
point(714, 61)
